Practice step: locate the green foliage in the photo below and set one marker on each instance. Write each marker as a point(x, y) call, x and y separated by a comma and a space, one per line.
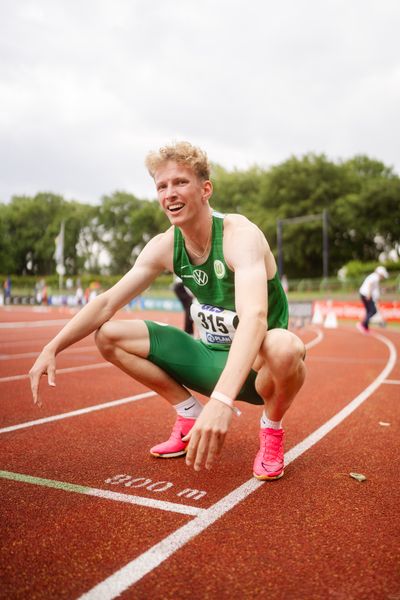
point(362, 198)
point(124, 225)
point(26, 283)
point(237, 191)
point(6, 257)
point(356, 269)
point(361, 195)
point(30, 226)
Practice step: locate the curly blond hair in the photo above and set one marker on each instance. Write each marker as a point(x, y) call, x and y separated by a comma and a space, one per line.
point(182, 153)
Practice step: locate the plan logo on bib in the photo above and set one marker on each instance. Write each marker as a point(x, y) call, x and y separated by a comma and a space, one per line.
point(219, 269)
point(200, 277)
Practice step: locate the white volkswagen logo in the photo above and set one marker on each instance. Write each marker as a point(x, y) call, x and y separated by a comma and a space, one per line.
point(200, 277)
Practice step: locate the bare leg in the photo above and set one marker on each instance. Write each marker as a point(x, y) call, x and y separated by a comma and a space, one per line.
point(281, 374)
point(281, 371)
point(126, 344)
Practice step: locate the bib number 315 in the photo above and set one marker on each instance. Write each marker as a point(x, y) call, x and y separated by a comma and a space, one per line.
point(216, 325)
point(213, 322)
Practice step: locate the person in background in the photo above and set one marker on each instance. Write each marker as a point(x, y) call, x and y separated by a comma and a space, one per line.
point(79, 295)
point(185, 298)
point(7, 290)
point(41, 292)
point(370, 294)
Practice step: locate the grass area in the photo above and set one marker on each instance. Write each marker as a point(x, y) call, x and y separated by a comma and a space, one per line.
point(294, 296)
point(299, 290)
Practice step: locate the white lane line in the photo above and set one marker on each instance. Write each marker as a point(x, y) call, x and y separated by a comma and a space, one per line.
point(183, 509)
point(316, 340)
point(92, 408)
point(25, 343)
point(309, 345)
point(121, 580)
point(352, 360)
point(80, 411)
point(101, 365)
point(319, 337)
point(392, 381)
point(25, 324)
point(322, 431)
point(34, 354)
point(84, 410)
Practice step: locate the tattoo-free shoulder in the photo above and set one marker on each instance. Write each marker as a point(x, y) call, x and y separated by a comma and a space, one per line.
point(234, 224)
point(235, 219)
point(244, 238)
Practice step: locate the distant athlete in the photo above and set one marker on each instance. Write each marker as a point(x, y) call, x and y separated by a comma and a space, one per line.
point(240, 309)
point(370, 294)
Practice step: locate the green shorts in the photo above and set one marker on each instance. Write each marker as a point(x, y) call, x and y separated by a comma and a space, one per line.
point(191, 363)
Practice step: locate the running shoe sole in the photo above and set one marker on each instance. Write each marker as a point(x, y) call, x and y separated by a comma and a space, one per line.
point(268, 477)
point(170, 454)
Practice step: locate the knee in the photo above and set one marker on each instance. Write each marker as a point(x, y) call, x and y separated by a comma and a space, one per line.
point(289, 357)
point(128, 336)
point(105, 338)
point(285, 353)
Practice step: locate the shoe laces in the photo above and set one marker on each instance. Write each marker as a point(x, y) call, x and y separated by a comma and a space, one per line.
point(176, 431)
point(272, 444)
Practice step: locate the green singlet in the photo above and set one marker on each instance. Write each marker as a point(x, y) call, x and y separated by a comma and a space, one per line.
point(198, 364)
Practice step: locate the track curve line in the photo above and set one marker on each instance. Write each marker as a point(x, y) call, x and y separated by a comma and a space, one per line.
point(78, 349)
point(79, 411)
point(25, 324)
point(135, 570)
point(318, 338)
point(99, 365)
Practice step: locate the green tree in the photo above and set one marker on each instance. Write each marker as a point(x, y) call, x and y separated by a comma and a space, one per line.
point(361, 195)
point(236, 191)
point(301, 187)
point(6, 242)
point(33, 224)
point(125, 224)
point(366, 219)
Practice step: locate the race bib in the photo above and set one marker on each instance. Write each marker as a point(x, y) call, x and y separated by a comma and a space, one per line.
point(216, 325)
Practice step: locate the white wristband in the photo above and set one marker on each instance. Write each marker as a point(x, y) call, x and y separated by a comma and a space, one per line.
point(226, 400)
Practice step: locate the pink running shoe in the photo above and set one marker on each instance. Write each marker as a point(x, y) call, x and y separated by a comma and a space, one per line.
point(268, 463)
point(361, 328)
point(174, 446)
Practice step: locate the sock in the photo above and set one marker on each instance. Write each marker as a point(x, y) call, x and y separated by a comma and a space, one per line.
point(265, 422)
point(190, 408)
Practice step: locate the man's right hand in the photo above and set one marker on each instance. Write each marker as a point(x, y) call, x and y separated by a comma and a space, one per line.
point(44, 364)
point(208, 435)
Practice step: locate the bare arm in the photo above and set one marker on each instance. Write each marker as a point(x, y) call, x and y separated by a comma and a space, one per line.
point(153, 259)
point(245, 251)
point(247, 258)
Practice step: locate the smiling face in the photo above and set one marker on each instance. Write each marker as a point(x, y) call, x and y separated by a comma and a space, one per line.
point(182, 194)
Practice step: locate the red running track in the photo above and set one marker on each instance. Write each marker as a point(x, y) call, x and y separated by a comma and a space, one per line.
point(88, 512)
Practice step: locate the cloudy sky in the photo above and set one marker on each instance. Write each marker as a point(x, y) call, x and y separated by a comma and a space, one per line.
point(88, 87)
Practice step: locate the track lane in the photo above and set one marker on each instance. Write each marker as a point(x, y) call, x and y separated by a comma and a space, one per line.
point(293, 426)
point(14, 381)
point(133, 572)
point(316, 533)
point(93, 430)
point(56, 545)
point(73, 391)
